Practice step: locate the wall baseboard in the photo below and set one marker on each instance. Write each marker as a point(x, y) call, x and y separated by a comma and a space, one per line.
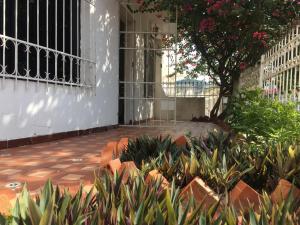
point(52, 137)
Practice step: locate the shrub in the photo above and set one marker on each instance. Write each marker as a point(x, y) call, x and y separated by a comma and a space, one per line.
point(146, 148)
point(262, 119)
point(113, 203)
point(222, 160)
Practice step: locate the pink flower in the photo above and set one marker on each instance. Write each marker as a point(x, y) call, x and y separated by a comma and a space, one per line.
point(276, 13)
point(188, 7)
point(264, 44)
point(207, 25)
point(217, 5)
point(260, 35)
point(209, 10)
point(243, 66)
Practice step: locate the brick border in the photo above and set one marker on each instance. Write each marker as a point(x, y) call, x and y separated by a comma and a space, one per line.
point(53, 137)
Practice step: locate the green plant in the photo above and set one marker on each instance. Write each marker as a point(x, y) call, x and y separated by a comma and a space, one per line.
point(221, 38)
point(222, 160)
point(146, 148)
point(112, 202)
point(210, 159)
point(262, 119)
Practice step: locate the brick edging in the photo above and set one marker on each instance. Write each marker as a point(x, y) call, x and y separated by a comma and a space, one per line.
point(53, 137)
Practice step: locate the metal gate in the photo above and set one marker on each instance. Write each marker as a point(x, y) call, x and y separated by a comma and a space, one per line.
point(150, 93)
point(147, 61)
point(280, 69)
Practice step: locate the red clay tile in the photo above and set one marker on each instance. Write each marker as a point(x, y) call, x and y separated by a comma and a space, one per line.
point(6, 197)
point(155, 175)
point(114, 165)
point(5, 205)
point(123, 143)
point(181, 141)
point(282, 191)
point(111, 147)
point(242, 197)
point(19, 162)
point(129, 169)
point(198, 190)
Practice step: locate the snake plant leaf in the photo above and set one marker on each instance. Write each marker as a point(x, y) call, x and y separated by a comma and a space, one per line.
point(63, 208)
point(159, 217)
point(120, 215)
point(202, 220)
point(230, 217)
point(3, 220)
point(88, 198)
point(80, 220)
point(140, 215)
point(213, 210)
point(47, 216)
point(16, 214)
point(286, 207)
point(170, 210)
point(194, 164)
point(253, 219)
point(34, 212)
point(263, 220)
point(183, 217)
point(23, 200)
point(215, 158)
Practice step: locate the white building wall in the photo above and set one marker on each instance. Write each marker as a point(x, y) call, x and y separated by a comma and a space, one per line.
point(35, 109)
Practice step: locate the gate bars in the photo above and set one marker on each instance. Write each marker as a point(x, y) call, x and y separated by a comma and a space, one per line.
point(148, 67)
point(78, 60)
point(280, 68)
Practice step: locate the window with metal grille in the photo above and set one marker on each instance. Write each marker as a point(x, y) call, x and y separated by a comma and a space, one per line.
point(46, 40)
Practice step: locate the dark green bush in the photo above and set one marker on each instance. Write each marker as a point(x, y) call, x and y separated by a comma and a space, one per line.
point(147, 148)
point(262, 119)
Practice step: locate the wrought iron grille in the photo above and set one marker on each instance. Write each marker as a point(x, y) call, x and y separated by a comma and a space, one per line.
point(49, 41)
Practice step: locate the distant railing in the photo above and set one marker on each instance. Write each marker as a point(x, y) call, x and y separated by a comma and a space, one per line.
point(190, 89)
point(280, 69)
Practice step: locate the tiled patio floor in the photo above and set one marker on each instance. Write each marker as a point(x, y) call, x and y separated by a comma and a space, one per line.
point(72, 161)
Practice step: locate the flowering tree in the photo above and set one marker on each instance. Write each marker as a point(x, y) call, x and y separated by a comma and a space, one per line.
point(221, 38)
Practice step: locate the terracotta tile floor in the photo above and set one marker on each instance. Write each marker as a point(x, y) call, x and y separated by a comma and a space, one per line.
point(72, 161)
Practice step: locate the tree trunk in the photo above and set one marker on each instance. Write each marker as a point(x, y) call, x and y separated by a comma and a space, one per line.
point(215, 110)
point(226, 90)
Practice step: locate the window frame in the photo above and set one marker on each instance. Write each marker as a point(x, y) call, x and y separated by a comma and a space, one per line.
point(83, 60)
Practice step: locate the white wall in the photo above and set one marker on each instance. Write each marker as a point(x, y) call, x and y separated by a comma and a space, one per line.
point(36, 109)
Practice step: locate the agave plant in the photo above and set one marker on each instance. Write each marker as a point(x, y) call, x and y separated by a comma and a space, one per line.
point(51, 206)
point(111, 202)
point(285, 213)
point(146, 148)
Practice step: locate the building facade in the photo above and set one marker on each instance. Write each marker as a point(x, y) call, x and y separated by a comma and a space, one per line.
point(59, 66)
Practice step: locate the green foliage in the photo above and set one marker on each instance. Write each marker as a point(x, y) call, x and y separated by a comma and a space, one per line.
point(222, 160)
point(222, 38)
point(145, 148)
point(112, 202)
point(262, 119)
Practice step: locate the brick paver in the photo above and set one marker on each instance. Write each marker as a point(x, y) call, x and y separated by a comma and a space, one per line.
point(72, 161)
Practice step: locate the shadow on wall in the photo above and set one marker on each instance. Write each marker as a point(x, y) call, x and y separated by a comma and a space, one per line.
point(37, 109)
